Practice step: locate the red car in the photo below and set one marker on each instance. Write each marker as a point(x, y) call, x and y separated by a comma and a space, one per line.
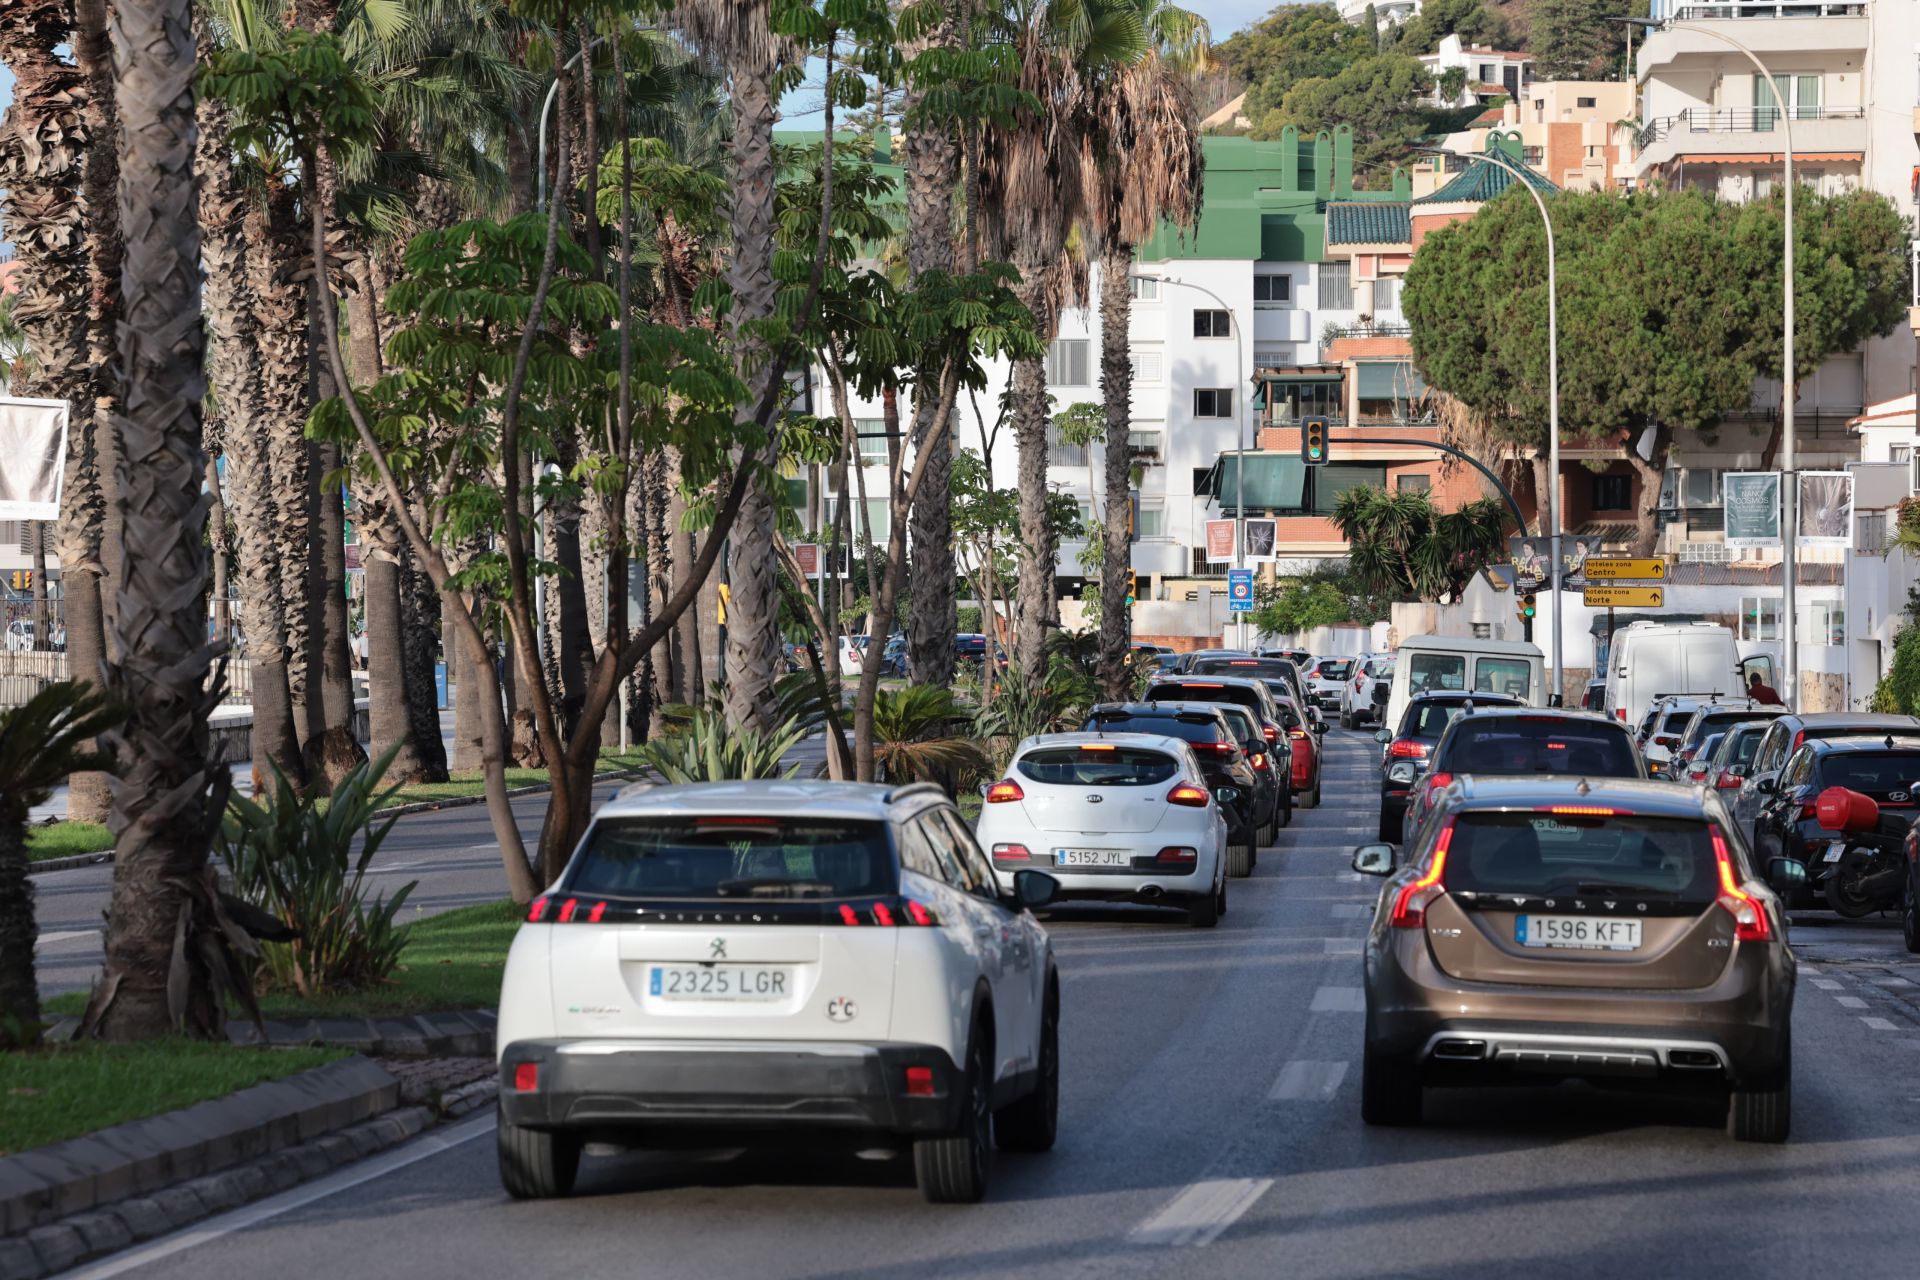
point(1303, 742)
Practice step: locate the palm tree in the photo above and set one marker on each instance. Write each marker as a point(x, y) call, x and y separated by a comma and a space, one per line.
point(168, 798)
point(43, 152)
point(914, 738)
point(1032, 185)
point(42, 741)
point(740, 37)
point(1148, 168)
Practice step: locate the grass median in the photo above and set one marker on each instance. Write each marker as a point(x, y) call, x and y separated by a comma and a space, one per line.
point(64, 1091)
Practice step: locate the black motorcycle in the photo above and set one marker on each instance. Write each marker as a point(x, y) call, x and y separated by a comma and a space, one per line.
point(1861, 870)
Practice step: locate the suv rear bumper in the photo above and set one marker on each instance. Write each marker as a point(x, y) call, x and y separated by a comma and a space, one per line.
point(729, 1085)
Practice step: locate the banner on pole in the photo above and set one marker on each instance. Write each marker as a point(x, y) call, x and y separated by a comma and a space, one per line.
point(1530, 556)
point(33, 454)
point(1262, 536)
point(1219, 541)
point(1825, 510)
point(1752, 505)
point(807, 556)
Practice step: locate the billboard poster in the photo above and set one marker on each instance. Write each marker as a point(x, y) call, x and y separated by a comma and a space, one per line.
point(807, 556)
point(1261, 539)
point(1219, 541)
point(1530, 556)
point(1752, 504)
point(33, 454)
point(1824, 512)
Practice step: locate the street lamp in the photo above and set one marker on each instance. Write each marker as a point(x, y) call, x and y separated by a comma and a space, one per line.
point(1553, 410)
point(540, 166)
point(1789, 497)
point(1239, 431)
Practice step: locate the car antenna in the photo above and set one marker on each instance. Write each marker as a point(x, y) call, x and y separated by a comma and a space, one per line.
point(1581, 788)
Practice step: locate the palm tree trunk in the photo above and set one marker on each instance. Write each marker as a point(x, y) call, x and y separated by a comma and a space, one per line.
point(1036, 539)
point(164, 816)
point(42, 622)
point(217, 548)
point(44, 147)
point(1116, 389)
point(753, 617)
point(19, 990)
point(420, 652)
point(104, 249)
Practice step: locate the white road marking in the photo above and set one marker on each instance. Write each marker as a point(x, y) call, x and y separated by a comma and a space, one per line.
point(1892, 982)
point(1339, 1000)
point(1347, 910)
point(1200, 1213)
point(1879, 1024)
point(70, 935)
point(1826, 984)
point(1304, 1080)
point(1342, 946)
point(1806, 967)
point(298, 1198)
point(1851, 1002)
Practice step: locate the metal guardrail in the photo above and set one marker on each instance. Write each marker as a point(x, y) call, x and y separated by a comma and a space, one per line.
point(24, 674)
point(1368, 331)
point(1736, 120)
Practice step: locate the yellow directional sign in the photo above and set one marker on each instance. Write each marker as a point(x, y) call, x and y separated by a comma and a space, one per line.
point(1650, 567)
point(1623, 597)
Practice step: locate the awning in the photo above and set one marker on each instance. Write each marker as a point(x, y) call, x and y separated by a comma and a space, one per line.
point(1384, 379)
point(1274, 481)
point(1769, 157)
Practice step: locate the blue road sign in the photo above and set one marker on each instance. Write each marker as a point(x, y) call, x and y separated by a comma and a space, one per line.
point(1240, 591)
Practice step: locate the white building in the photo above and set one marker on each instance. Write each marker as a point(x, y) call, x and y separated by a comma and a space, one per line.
point(1489, 73)
point(1388, 13)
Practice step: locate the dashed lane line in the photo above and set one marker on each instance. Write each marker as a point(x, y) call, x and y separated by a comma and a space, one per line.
point(1342, 946)
point(1198, 1215)
point(1339, 1000)
point(1826, 984)
point(1879, 1024)
point(1306, 1080)
point(1851, 1002)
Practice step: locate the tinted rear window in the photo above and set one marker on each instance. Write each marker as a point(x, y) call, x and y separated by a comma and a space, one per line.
point(1675, 721)
point(1097, 766)
point(1539, 744)
point(1718, 721)
point(1875, 773)
point(734, 858)
point(1430, 719)
point(1334, 670)
point(1539, 853)
point(1436, 672)
point(1195, 729)
point(1202, 691)
point(1244, 667)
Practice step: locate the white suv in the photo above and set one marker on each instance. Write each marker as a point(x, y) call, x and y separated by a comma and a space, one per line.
point(1325, 678)
point(1356, 694)
point(740, 960)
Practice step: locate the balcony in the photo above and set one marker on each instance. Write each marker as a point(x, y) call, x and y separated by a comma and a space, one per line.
point(1768, 27)
point(1686, 12)
point(1701, 133)
point(1334, 332)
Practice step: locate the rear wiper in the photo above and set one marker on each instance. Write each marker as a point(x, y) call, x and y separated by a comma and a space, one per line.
point(772, 887)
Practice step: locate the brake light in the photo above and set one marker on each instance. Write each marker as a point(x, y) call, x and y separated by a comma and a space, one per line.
point(1798, 738)
point(1260, 761)
point(1297, 734)
point(566, 909)
point(919, 1082)
point(1584, 810)
point(1189, 795)
point(1727, 782)
point(883, 915)
point(1176, 853)
point(1098, 746)
point(1406, 749)
point(1201, 684)
point(919, 914)
point(1410, 907)
point(526, 1077)
point(1750, 923)
point(1272, 734)
point(1004, 790)
point(599, 909)
point(537, 909)
point(1011, 853)
point(1620, 712)
point(848, 915)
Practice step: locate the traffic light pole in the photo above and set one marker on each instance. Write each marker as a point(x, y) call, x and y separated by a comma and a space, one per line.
point(1469, 459)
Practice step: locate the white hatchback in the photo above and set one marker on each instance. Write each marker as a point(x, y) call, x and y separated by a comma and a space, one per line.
point(1117, 817)
point(726, 963)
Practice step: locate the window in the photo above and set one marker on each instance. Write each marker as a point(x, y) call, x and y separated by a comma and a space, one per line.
point(681, 858)
point(978, 871)
point(1212, 324)
point(1487, 74)
point(1062, 454)
point(1153, 520)
point(1386, 293)
point(1413, 484)
point(1759, 618)
point(1510, 676)
point(1826, 623)
point(1612, 493)
point(1144, 440)
point(1277, 289)
point(1069, 362)
point(1703, 487)
point(1145, 288)
point(1586, 102)
point(1870, 532)
point(1146, 366)
point(1336, 286)
point(872, 436)
point(1213, 402)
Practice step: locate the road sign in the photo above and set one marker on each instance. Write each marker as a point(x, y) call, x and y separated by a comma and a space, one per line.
point(1240, 591)
point(1597, 597)
point(1650, 567)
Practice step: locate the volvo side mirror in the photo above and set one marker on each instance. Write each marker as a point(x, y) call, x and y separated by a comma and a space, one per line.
point(1373, 859)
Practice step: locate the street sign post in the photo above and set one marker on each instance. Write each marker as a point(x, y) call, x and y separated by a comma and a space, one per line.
point(1650, 567)
point(1240, 591)
point(1610, 597)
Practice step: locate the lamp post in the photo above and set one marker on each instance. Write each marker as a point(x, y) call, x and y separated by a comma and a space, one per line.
point(1557, 691)
point(540, 166)
point(1789, 490)
point(1239, 432)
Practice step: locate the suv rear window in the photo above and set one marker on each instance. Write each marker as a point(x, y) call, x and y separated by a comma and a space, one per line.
point(1188, 728)
point(1430, 719)
point(1546, 853)
point(1436, 672)
point(1719, 721)
point(734, 858)
point(1510, 676)
point(1538, 744)
point(1098, 765)
point(1333, 670)
point(1875, 773)
point(1279, 667)
point(1744, 746)
point(1203, 691)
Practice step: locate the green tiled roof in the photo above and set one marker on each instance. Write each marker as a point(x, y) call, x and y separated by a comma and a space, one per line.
point(1368, 224)
point(1481, 183)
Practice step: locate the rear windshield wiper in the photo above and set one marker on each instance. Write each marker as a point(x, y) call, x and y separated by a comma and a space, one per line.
point(772, 887)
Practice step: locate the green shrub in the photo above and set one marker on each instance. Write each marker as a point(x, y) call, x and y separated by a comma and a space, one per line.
point(1899, 691)
point(294, 859)
point(708, 749)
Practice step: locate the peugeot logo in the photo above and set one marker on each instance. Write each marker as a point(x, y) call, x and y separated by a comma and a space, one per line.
point(1095, 799)
point(717, 949)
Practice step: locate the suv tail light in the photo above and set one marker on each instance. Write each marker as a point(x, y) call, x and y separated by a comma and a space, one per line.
point(1406, 749)
point(1011, 853)
point(1410, 907)
point(1189, 795)
point(1297, 734)
point(1259, 761)
point(537, 909)
point(1004, 790)
point(1727, 782)
point(1750, 923)
point(1272, 734)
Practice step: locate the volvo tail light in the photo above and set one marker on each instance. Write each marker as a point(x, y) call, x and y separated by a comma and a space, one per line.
point(1189, 795)
point(1410, 906)
point(1004, 790)
point(1750, 923)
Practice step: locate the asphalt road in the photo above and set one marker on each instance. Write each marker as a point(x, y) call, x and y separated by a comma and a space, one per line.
point(1210, 1126)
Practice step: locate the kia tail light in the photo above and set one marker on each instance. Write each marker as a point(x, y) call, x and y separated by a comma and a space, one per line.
point(1004, 790)
point(1189, 795)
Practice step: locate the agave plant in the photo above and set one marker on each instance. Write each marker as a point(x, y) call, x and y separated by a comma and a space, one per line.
point(1017, 711)
point(913, 738)
point(708, 749)
point(41, 742)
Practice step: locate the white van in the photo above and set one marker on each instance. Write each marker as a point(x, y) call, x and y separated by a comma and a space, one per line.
point(1429, 664)
point(1650, 660)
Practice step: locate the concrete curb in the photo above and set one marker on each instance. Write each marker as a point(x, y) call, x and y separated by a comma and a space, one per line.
point(467, 1034)
point(397, 811)
point(46, 1184)
point(54, 1247)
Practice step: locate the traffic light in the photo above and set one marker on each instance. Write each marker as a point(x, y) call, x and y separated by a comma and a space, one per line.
point(1133, 588)
point(23, 579)
point(1526, 607)
point(1313, 441)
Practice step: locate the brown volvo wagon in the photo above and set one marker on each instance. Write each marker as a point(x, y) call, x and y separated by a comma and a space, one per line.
point(1609, 929)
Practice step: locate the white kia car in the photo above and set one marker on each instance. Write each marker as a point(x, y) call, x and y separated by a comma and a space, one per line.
point(727, 963)
point(1118, 817)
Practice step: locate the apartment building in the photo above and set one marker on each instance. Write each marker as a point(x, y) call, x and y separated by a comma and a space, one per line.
point(1575, 133)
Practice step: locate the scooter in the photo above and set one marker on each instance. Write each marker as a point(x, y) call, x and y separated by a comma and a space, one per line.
point(1860, 871)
